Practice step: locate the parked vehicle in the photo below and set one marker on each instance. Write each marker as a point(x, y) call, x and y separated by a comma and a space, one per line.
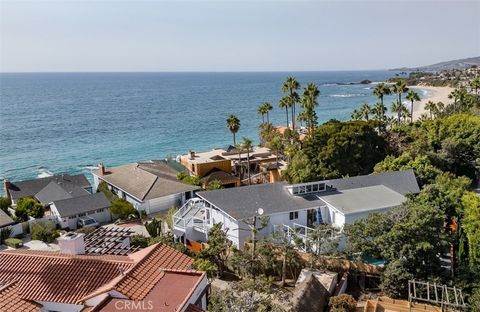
point(87, 222)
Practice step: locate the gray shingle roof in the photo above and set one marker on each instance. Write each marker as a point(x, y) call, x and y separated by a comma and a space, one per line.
point(73, 184)
point(82, 204)
point(243, 202)
point(146, 180)
point(51, 193)
point(5, 219)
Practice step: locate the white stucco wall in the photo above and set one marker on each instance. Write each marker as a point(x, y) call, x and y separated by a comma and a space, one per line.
point(100, 217)
point(155, 205)
point(198, 293)
point(53, 306)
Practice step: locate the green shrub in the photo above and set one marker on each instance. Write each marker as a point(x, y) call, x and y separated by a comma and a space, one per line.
point(103, 187)
point(154, 227)
point(139, 241)
point(14, 242)
point(4, 203)
point(44, 231)
point(4, 234)
point(29, 207)
point(186, 178)
point(122, 208)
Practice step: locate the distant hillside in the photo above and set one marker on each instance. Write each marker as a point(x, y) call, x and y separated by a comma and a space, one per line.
point(455, 64)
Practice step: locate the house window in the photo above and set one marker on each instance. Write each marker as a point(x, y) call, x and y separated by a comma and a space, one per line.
point(72, 217)
point(99, 211)
point(293, 215)
point(82, 215)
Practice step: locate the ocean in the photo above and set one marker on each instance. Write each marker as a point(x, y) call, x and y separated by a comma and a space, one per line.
point(52, 123)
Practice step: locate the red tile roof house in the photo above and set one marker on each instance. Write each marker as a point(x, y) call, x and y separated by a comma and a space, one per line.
point(157, 278)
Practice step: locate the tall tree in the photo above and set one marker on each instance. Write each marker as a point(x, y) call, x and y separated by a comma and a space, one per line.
point(247, 145)
point(397, 107)
point(285, 103)
point(379, 110)
point(365, 111)
point(309, 103)
point(475, 85)
point(233, 124)
point(431, 107)
point(399, 88)
point(412, 96)
point(261, 111)
point(380, 91)
point(290, 87)
point(268, 108)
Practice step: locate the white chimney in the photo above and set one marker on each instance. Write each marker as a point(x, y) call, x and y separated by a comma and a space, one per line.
point(72, 243)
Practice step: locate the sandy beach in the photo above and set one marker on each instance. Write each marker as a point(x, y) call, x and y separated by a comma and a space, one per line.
point(434, 94)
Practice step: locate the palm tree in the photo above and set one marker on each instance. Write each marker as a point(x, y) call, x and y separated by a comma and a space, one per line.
point(268, 108)
point(247, 144)
point(412, 96)
point(233, 124)
point(289, 87)
point(309, 103)
point(379, 110)
point(399, 88)
point(455, 95)
point(475, 85)
point(404, 113)
point(431, 107)
point(397, 108)
point(302, 117)
point(239, 148)
point(356, 115)
point(365, 111)
point(285, 103)
point(380, 91)
point(261, 111)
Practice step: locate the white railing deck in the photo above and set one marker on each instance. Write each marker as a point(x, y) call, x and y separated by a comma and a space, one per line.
point(190, 214)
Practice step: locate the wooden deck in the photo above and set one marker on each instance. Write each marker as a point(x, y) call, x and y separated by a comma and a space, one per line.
point(385, 304)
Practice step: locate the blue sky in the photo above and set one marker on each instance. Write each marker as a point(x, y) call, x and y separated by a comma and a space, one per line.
point(234, 35)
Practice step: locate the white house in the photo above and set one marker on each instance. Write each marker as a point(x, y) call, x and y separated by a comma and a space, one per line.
point(67, 211)
point(337, 202)
point(150, 186)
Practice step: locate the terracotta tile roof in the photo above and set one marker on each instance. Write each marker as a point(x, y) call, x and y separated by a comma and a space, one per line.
point(11, 301)
point(141, 279)
point(55, 277)
point(171, 293)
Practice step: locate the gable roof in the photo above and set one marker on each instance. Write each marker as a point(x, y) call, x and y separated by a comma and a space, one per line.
point(243, 202)
point(72, 206)
point(55, 277)
point(75, 185)
point(145, 181)
point(51, 193)
point(363, 199)
point(5, 219)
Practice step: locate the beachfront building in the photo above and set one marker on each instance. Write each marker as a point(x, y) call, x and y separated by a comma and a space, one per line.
point(150, 186)
point(292, 207)
point(49, 189)
point(230, 161)
point(65, 198)
point(157, 278)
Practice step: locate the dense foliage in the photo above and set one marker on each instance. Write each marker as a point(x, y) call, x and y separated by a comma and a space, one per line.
point(28, 207)
point(342, 303)
point(4, 203)
point(44, 231)
point(338, 149)
point(122, 208)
